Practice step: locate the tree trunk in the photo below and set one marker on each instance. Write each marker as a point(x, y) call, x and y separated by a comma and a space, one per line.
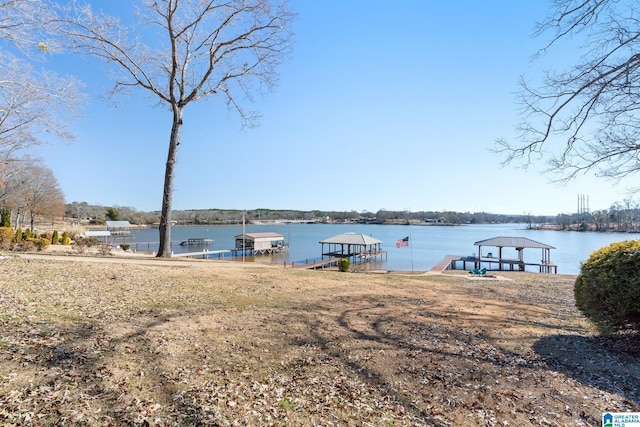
point(164, 251)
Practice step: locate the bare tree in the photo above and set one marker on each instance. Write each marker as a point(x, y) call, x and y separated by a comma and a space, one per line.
point(12, 175)
point(586, 118)
point(42, 195)
point(197, 49)
point(29, 188)
point(33, 102)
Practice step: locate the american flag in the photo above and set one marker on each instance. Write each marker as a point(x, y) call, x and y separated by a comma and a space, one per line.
point(402, 242)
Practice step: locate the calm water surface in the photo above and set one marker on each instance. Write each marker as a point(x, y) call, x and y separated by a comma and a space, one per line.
point(429, 244)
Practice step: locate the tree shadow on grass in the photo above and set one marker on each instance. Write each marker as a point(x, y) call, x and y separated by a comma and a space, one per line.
point(608, 363)
point(453, 359)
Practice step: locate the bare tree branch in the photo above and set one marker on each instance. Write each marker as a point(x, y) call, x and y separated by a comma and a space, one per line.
point(34, 103)
point(585, 118)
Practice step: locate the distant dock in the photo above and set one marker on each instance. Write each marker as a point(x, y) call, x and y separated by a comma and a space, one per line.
point(197, 241)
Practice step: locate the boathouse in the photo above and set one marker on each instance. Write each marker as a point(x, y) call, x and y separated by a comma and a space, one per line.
point(101, 235)
point(358, 247)
point(113, 229)
point(260, 243)
point(503, 260)
point(119, 228)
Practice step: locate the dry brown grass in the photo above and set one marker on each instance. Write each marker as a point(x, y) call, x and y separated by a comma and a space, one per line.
point(216, 343)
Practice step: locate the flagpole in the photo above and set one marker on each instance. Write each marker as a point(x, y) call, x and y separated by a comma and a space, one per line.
point(411, 247)
point(243, 229)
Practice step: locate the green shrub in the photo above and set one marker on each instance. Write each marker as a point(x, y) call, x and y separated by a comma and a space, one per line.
point(5, 218)
point(607, 291)
point(19, 236)
point(27, 234)
point(125, 246)
point(41, 244)
point(6, 238)
point(55, 239)
point(66, 240)
point(344, 264)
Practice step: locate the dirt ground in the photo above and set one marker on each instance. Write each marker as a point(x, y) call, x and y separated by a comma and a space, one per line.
point(110, 341)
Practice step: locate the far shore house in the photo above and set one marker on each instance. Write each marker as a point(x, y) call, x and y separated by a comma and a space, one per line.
point(260, 243)
point(357, 247)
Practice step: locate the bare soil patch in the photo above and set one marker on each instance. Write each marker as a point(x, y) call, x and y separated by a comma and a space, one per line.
point(140, 342)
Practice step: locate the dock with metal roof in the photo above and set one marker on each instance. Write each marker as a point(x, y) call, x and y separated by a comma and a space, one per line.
point(260, 243)
point(357, 247)
point(501, 261)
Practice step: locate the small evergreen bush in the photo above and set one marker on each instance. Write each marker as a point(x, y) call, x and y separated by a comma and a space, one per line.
point(607, 291)
point(55, 239)
point(66, 240)
point(6, 238)
point(19, 236)
point(41, 244)
point(344, 264)
point(125, 246)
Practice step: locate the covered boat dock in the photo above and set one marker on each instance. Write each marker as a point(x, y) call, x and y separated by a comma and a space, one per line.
point(357, 247)
point(501, 261)
point(260, 243)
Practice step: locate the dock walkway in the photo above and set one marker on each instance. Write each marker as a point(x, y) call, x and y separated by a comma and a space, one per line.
point(202, 254)
point(446, 263)
point(314, 265)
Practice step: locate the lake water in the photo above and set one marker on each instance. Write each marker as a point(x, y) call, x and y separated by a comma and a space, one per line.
point(428, 244)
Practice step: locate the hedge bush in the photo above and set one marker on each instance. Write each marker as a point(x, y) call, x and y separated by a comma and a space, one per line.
point(6, 238)
point(344, 264)
point(42, 243)
point(607, 290)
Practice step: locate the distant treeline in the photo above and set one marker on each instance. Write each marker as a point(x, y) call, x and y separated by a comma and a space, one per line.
point(620, 217)
point(96, 214)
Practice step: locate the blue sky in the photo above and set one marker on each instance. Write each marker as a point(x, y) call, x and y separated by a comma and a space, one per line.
point(383, 105)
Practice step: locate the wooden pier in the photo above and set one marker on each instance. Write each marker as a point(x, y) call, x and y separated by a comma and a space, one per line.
point(202, 254)
point(446, 262)
point(452, 262)
point(316, 264)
